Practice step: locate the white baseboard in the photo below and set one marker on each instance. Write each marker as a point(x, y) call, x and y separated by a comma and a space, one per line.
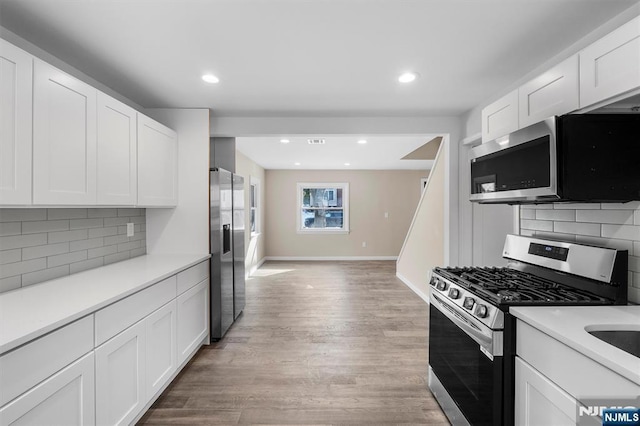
point(255, 267)
point(334, 258)
point(413, 287)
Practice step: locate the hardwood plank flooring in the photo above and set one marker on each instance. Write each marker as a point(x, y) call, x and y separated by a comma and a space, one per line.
point(318, 343)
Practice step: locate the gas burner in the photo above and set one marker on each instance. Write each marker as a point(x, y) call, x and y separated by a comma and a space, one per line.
point(509, 296)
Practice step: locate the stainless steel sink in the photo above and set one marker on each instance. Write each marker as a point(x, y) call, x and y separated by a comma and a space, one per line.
point(627, 340)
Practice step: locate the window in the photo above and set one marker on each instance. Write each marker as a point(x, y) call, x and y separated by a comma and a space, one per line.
point(254, 202)
point(323, 207)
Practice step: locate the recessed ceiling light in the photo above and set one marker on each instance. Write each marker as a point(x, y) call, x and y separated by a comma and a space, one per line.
point(296, 164)
point(407, 77)
point(362, 141)
point(284, 141)
point(210, 78)
point(347, 164)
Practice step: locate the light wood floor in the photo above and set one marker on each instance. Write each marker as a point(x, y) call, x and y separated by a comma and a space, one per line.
point(318, 343)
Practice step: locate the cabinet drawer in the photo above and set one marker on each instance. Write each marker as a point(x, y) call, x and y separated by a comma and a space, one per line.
point(28, 365)
point(575, 373)
point(115, 318)
point(67, 398)
point(192, 276)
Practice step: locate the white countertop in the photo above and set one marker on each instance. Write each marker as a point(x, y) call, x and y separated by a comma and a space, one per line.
point(567, 324)
point(30, 312)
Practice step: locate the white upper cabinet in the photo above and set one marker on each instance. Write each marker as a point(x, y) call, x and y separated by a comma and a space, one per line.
point(157, 164)
point(16, 84)
point(611, 65)
point(501, 117)
point(116, 153)
point(64, 138)
point(555, 92)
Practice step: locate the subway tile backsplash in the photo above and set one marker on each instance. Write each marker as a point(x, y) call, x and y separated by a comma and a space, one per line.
point(615, 225)
point(37, 245)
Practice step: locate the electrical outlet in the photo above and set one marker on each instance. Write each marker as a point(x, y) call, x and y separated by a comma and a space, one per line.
point(364, 244)
point(129, 229)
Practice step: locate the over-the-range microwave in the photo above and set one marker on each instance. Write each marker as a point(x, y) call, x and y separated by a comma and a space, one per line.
point(577, 158)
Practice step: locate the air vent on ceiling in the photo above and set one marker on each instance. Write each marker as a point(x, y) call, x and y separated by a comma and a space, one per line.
point(316, 141)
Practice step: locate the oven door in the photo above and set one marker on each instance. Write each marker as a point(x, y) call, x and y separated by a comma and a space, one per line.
point(466, 358)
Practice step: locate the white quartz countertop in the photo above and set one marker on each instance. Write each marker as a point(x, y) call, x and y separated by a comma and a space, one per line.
point(567, 324)
point(30, 312)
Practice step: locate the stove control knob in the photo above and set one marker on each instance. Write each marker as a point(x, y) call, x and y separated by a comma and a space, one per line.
point(481, 311)
point(442, 285)
point(469, 302)
point(454, 293)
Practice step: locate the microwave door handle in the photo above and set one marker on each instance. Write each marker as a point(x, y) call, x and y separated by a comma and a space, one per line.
point(477, 335)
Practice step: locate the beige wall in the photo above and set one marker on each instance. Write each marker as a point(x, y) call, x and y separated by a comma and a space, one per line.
point(254, 245)
point(371, 193)
point(424, 247)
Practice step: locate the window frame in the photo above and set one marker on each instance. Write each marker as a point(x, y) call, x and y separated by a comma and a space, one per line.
point(255, 184)
point(345, 207)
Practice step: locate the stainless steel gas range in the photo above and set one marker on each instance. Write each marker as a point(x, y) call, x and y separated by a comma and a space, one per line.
point(472, 336)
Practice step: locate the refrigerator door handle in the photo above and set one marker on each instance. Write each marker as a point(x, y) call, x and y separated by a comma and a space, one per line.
point(226, 238)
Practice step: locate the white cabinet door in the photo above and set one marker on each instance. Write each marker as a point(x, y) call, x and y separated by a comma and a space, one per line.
point(501, 117)
point(157, 164)
point(611, 65)
point(16, 103)
point(539, 401)
point(193, 319)
point(555, 92)
point(64, 138)
point(120, 377)
point(116, 153)
point(64, 399)
point(161, 360)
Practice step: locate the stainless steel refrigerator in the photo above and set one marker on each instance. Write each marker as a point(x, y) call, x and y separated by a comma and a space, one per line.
point(226, 227)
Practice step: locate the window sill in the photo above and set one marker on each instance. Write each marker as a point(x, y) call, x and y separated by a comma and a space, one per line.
point(323, 231)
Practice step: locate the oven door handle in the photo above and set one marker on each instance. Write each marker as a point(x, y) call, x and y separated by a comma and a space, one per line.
point(458, 318)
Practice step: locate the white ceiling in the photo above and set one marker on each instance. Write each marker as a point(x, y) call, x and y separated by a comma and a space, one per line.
point(379, 153)
point(305, 58)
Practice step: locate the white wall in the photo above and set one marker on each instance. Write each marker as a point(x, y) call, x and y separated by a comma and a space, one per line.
point(185, 228)
point(254, 245)
point(424, 246)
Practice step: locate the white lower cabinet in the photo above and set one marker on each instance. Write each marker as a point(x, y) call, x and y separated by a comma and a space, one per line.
point(107, 367)
point(64, 399)
point(120, 377)
point(161, 356)
point(193, 319)
point(539, 401)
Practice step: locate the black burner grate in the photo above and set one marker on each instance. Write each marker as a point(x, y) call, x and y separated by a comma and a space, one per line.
point(505, 286)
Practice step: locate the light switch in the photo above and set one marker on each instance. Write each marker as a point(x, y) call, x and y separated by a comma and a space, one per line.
point(129, 229)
